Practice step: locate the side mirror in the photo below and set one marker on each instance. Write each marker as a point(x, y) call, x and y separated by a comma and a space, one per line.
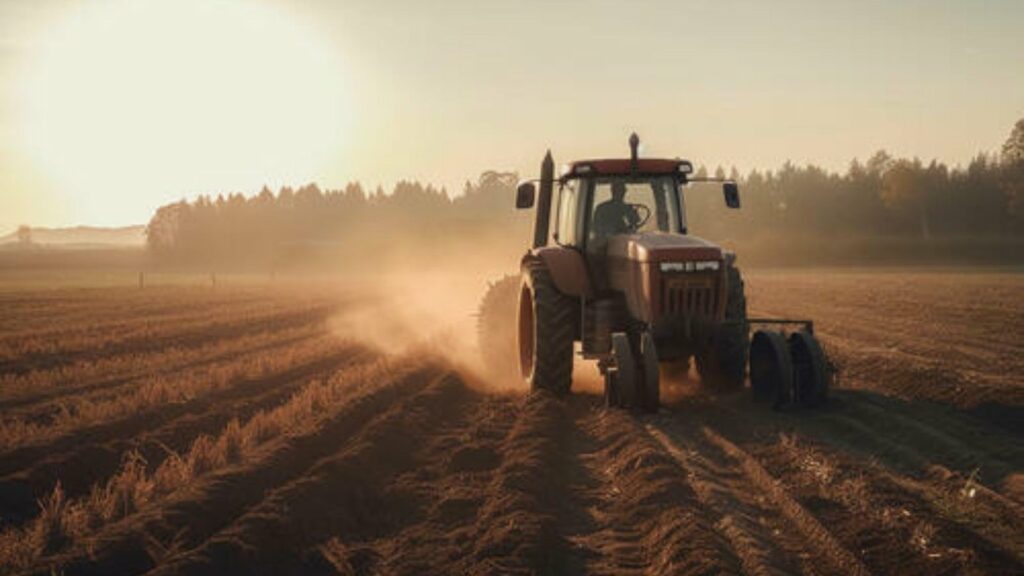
point(732, 194)
point(525, 195)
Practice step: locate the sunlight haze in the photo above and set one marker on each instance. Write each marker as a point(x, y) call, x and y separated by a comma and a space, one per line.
point(109, 109)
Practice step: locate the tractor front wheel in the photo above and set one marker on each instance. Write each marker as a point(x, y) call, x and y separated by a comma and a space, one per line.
point(547, 330)
point(651, 372)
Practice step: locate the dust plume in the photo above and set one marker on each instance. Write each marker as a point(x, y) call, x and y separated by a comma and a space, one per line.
point(420, 306)
point(427, 303)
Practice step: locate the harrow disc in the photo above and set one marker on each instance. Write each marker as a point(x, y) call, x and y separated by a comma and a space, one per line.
point(771, 369)
point(810, 372)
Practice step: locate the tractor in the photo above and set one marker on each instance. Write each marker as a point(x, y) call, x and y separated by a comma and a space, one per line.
point(618, 280)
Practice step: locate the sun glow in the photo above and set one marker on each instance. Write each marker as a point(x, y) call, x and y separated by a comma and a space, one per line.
point(127, 104)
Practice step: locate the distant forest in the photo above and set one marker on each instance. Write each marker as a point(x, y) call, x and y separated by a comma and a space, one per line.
point(882, 197)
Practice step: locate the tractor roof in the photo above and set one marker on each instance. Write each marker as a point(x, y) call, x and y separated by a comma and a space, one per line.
point(626, 167)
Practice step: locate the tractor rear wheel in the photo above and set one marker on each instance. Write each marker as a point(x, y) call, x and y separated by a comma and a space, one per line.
point(547, 331)
point(496, 328)
point(723, 364)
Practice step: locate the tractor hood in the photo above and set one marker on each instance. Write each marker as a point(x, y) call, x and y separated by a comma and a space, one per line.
point(662, 247)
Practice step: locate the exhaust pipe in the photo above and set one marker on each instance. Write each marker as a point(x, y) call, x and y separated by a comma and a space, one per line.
point(547, 185)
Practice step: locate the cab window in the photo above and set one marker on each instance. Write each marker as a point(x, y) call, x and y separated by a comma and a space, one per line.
point(566, 230)
point(631, 206)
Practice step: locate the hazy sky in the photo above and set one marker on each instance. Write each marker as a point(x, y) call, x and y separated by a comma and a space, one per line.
point(109, 108)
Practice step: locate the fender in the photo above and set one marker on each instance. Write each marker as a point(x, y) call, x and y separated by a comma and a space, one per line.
point(568, 270)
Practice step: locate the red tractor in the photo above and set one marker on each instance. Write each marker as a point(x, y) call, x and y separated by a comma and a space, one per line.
point(620, 276)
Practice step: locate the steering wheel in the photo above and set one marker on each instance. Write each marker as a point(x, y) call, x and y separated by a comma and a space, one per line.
point(643, 211)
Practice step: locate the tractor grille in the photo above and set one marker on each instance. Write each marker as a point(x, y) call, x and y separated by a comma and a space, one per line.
point(691, 295)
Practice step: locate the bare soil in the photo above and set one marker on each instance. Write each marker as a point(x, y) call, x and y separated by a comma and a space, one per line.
point(419, 465)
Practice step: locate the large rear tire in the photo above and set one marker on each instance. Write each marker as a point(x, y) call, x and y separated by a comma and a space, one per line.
point(722, 365)
point(496, 328)
point(547, 330)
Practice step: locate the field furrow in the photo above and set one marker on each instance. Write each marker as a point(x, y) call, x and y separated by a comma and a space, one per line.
point(231, 472)
point(445, 486)
point(352, 492)
point(752, 517)
point(84, 459)
point(297, 430)
point(884, 495)
point(40, 311)
point(643, 516)
point(41, 393)
point(174, 394)
point(48, 352)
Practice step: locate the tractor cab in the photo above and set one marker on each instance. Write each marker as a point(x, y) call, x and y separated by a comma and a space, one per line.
point(624, 216)
point(598, 199)
point(592, 209)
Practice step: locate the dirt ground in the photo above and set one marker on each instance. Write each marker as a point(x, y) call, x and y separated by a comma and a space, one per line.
point(303, 429)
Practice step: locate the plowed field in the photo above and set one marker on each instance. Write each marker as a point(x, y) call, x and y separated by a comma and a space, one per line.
point(278, 430)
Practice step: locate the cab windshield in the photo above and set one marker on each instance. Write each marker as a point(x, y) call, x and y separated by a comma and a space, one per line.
point(623, 205)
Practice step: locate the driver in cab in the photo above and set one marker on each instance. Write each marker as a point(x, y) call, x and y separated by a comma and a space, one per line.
point(615, 216)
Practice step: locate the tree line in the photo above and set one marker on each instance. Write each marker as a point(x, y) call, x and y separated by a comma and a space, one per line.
point(269, 228)
point(882, 197)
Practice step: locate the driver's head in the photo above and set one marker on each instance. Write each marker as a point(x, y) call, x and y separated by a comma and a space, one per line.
point(618, 191)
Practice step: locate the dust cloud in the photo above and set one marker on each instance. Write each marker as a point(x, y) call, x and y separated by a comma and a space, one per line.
point(426, 301)
point(409, 303)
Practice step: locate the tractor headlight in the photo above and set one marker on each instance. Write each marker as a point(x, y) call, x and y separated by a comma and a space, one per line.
point(701, 266)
